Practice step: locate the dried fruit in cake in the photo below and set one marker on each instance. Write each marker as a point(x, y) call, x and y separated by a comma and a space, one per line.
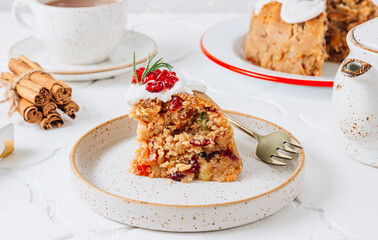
point(182, 135)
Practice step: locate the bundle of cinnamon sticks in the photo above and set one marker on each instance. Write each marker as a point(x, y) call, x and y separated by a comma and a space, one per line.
point(40, 95)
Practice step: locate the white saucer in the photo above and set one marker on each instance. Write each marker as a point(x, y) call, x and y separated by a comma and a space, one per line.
point(100, 160)
point(223, 44)
point(120, 61)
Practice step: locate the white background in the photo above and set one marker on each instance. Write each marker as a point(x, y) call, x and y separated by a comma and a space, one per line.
point(339, 196)
point(194, 6)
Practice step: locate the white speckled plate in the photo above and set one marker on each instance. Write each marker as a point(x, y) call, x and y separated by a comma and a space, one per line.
point(120, 61)
point(223, 44)
point(100, 161)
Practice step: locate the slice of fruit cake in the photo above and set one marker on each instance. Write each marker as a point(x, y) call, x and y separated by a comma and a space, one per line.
point(182, 135)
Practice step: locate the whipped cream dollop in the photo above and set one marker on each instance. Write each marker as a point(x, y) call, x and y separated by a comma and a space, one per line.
point(138, 92)
point(295, 11)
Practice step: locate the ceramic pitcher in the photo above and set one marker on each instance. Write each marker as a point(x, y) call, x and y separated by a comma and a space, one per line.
point(355, 96)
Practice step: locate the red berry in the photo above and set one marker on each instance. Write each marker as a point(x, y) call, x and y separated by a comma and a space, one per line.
point(230, 154)
point(173, 73)
point(174, 78)
point(163, 75)
point(154, 86)
point(150, 76)
point(169, 82)
point(176, 176)
point(211, 109)
point(175, 103)
point(139, 73)
point(200, 143)
point(195, 166)
point(158, 71)
point(185, 114)
point(133, 80)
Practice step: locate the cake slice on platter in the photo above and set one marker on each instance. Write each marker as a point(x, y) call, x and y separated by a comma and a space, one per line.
point(298, 36)
point(182, 134)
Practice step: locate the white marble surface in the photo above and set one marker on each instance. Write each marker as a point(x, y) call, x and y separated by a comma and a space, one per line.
point(338, 201)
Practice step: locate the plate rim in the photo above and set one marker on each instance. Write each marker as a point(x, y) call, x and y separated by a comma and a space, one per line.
point(75, 171)
point(101, 70)
point(286, 80)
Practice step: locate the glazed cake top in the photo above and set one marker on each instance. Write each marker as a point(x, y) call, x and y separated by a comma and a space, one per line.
point(295, 11)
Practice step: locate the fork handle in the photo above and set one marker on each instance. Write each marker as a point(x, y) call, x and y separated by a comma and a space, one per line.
point(242, 127)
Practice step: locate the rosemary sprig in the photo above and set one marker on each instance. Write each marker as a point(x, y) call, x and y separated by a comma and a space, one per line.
point(134, 68)
point(148, 65)
point(158, 64)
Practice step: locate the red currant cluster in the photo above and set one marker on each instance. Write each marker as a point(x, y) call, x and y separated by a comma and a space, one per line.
point(156, 81)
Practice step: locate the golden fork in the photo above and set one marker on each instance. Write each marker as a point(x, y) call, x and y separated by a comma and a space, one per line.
point(271, 146)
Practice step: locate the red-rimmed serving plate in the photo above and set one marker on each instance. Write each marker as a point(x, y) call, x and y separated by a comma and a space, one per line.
point(223, 44)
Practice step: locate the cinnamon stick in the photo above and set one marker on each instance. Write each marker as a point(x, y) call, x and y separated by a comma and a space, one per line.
point(60, 94)
point(8, 76)
point(70, 109)
point(39, 95)
point(65, 85)
point(53, 119)
point(49, 108)
point(32, 64)
point(29, 111)
point(19, 67)
point(29, 90)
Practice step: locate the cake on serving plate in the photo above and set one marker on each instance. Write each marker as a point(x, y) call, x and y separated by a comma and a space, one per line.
point(297, 36)
point(182, 135)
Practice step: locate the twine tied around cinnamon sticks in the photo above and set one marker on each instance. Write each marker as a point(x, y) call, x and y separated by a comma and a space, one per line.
point(36, 94)
point(11, 92)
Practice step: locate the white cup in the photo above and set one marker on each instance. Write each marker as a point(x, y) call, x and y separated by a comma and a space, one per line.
point(76, 35)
